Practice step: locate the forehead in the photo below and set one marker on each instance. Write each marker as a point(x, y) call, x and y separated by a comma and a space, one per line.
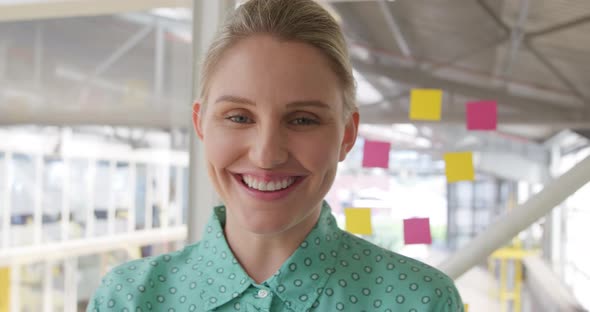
point(262, 68)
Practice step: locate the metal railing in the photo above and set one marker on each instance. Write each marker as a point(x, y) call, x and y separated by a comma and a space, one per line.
point(119, 226)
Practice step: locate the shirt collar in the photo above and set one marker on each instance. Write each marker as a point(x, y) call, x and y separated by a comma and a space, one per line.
point(298, 282)
point(301, 279)
point(220, 276)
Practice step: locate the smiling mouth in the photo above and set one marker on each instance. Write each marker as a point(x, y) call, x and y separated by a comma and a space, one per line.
point(268, 186)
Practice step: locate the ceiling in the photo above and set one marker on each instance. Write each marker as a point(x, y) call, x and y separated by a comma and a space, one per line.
point(530, 56)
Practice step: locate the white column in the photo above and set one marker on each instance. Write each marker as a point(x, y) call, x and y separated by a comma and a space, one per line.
point(207, 17)
point(65, 200)
point(15, 288)
point(132, 194)
point(91, 177)
point(509, 225)
point(149, 209)
point(555, 219)
point(159, 61)
point(165, 196)
point(38, 199)
point(71, 285)
point(48, 286)
point(7, 203)
point(111, 200)
point(179, 194)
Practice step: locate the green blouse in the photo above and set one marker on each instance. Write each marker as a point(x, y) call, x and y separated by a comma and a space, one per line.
point(331, 270)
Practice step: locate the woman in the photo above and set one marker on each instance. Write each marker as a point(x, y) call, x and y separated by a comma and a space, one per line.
point(276, 115)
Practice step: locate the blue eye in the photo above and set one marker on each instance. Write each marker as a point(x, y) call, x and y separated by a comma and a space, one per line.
point(303, 121)
point(239, 119)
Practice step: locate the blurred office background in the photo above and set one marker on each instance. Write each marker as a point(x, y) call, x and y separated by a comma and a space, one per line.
point(96, 141)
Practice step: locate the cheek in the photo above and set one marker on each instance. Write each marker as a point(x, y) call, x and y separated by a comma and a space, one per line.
point(318, 152)
point(222, 146)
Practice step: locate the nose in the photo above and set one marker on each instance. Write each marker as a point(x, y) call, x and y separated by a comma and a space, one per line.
point(269, 147)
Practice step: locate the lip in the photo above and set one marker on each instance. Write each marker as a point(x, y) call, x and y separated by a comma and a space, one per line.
point(266, 177)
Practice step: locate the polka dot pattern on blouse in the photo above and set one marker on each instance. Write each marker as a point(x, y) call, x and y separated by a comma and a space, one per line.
point(331, 270)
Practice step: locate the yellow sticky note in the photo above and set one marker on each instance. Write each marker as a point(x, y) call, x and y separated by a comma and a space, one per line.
point(459, 167)
point(4, 289)
point(358, 220)
point(466, 307)
point(425, 104)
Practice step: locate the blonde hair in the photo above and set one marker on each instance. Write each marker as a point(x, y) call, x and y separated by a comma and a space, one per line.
point(291, 20)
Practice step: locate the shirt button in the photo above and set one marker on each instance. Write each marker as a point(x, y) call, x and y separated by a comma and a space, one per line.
point(262, 293)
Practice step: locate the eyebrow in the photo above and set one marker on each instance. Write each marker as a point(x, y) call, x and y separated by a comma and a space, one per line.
point(295, 104)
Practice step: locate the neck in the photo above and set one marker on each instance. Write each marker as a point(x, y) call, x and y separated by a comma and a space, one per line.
point(261, 255)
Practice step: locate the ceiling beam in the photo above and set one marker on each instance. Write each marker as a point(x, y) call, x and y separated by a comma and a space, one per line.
point(417, 77)
point(558, 27)
point(526, 38)
point(44, 9)
point(375, 115)
point(398, 36)
point(179, 116)
point(120, 115)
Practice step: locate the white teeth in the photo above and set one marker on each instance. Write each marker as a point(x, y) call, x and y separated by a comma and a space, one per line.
point(267, 186)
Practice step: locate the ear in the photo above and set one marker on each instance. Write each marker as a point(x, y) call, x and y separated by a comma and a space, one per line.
point(350, 134)
point(197, 119)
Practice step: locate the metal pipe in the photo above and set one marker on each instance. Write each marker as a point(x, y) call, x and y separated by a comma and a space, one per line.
point(56, 251)
point(394, 28)
point(508, 226)
point(122, 50)
point(516, 36)
point(34, 10)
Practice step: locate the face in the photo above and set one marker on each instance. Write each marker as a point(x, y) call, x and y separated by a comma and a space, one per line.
point(273, 132)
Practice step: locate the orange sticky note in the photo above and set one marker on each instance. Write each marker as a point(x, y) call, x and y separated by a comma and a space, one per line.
point(4, 289)
point(459, 167)
point(358, 220)
point(425, 104)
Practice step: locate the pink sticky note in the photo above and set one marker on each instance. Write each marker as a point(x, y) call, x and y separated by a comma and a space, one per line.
point(482, 115)
point(417, 231)
point(376, 154)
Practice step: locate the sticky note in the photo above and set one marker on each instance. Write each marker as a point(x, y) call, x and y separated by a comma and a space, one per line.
point(459, 167)
point(376, 154)
point(4, 289)
point(417, 231)
point(466, 307)
point(358, 220)
point(482, 115)
point(425, 104)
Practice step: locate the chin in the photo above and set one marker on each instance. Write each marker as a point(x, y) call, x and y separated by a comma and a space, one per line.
point(266, 223)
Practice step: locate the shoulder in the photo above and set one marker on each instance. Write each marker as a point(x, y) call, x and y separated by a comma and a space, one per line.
point(394, 278)
point(128, 284)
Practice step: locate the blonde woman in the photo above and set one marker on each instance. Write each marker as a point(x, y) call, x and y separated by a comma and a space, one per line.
point(276, 114)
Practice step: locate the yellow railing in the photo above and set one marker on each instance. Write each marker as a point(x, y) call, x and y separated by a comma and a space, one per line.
point(505, 264)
